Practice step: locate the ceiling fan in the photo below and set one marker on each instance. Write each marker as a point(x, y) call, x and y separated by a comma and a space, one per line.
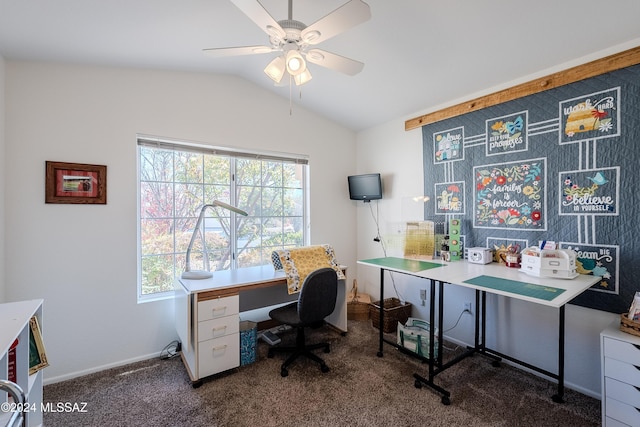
point(296, 40)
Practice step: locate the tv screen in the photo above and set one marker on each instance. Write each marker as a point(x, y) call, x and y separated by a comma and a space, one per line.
point(365, 187)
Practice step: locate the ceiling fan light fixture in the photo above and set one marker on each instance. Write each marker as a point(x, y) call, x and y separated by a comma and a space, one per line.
point(276, 68)
point(303, 77)
point(295, 63)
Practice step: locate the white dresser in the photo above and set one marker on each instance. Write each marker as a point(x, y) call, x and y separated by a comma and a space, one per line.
point(620, 356)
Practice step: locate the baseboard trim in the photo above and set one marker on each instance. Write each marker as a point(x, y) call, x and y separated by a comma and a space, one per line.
point(76, 374)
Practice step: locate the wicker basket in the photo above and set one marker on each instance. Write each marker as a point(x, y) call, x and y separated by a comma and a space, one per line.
point(357, 304)
point(629, 326)
point(394, 312)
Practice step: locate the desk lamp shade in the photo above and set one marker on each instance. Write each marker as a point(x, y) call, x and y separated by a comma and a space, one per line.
point(202, 274)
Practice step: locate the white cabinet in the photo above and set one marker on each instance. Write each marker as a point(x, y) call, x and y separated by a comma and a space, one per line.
point(620, 356)
point(218, 335)
point(14, 322)
point(208, 324)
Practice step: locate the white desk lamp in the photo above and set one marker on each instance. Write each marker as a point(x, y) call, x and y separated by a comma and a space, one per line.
point(202, 274)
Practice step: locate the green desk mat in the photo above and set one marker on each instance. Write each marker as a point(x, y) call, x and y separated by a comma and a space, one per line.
point(546, 293)
point(412, 265)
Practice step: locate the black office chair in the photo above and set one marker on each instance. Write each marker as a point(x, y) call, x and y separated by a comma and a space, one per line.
point(316, 301)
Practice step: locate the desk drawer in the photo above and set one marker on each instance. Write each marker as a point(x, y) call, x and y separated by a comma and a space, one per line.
point(621, 371)
point(218, 307)
point(218, 355)
point(621, 350)
point(216, 328)
point(625, 393)
point(627, 414)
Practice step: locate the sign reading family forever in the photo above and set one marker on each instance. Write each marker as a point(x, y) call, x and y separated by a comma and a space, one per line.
point(511, 195)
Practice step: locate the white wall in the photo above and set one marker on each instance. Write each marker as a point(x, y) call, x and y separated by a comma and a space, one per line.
point(2, 191)
point(523, 330)
point(82, 259)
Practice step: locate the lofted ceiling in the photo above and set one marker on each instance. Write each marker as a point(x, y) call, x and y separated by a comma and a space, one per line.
point(418, 54)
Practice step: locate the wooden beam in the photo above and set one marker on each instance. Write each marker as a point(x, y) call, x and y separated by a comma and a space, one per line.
point(591, 69)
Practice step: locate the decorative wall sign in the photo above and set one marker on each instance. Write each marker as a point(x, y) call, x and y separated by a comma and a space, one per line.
point(597, 260)
point(447, 145)
point(75, 183)
point(511, 195)
point(507, 134)
point(450, 197)
point(594, 192)
point(593, 116)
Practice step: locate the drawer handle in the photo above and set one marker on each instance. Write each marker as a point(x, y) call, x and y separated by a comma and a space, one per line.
point(219, 348)
point(219, 328)
point(223, 308)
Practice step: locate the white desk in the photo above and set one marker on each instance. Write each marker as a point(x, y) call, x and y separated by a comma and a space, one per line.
point(538, 290)
point(208, 313)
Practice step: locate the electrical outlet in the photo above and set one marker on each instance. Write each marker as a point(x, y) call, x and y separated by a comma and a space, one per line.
point(467, 307)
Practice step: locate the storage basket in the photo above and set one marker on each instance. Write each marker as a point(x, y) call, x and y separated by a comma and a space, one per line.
point(357, 304)
point(629, 326)
point(394, 312)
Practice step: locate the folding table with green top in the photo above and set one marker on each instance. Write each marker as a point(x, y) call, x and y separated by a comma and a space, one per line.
point(492, 278)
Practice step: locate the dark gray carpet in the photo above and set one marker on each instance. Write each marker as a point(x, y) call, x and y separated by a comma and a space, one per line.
point(360, 390)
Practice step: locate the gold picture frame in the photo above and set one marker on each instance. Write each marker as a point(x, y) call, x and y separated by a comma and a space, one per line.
point(37, 355)
point(75, 183)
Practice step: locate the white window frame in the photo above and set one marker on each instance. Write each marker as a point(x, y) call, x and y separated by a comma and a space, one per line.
point(234, 154)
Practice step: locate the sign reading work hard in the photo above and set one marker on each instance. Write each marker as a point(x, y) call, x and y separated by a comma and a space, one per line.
point(558, 165)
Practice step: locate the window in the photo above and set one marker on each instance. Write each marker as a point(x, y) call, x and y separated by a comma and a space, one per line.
point(175, 180)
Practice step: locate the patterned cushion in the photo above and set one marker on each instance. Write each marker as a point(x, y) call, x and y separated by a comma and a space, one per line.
point(275, 260)
point(299, 262)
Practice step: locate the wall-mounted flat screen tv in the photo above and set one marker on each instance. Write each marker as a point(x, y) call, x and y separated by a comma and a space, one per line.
point(365, 187)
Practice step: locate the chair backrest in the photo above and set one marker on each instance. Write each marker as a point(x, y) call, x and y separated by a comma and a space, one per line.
point(318, 295)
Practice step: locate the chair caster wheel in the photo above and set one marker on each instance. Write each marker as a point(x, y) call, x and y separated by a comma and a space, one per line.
point(196, 384)
point(284, 372)
point(324, 369)
point(445, 400)
point(417, 384)
point(495, 363)
point(327, 349)
point(270, 354)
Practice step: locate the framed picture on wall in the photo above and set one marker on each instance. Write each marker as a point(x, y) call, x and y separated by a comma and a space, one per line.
point(75, 183)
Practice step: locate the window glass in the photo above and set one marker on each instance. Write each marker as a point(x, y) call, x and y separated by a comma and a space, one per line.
point(176, 181)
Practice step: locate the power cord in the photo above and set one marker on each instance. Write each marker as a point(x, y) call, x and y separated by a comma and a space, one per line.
point(456, 324)
point(171, 350)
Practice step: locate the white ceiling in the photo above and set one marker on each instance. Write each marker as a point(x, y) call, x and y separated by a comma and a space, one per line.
point(418, 54)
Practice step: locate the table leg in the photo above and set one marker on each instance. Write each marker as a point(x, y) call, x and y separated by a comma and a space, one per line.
point(381, 323)
point(559, 398)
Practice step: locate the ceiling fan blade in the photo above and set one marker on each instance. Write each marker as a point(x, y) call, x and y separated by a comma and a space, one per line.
point(236, 51)
point(335, 62)
point(258, 14)
point(348, 15)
